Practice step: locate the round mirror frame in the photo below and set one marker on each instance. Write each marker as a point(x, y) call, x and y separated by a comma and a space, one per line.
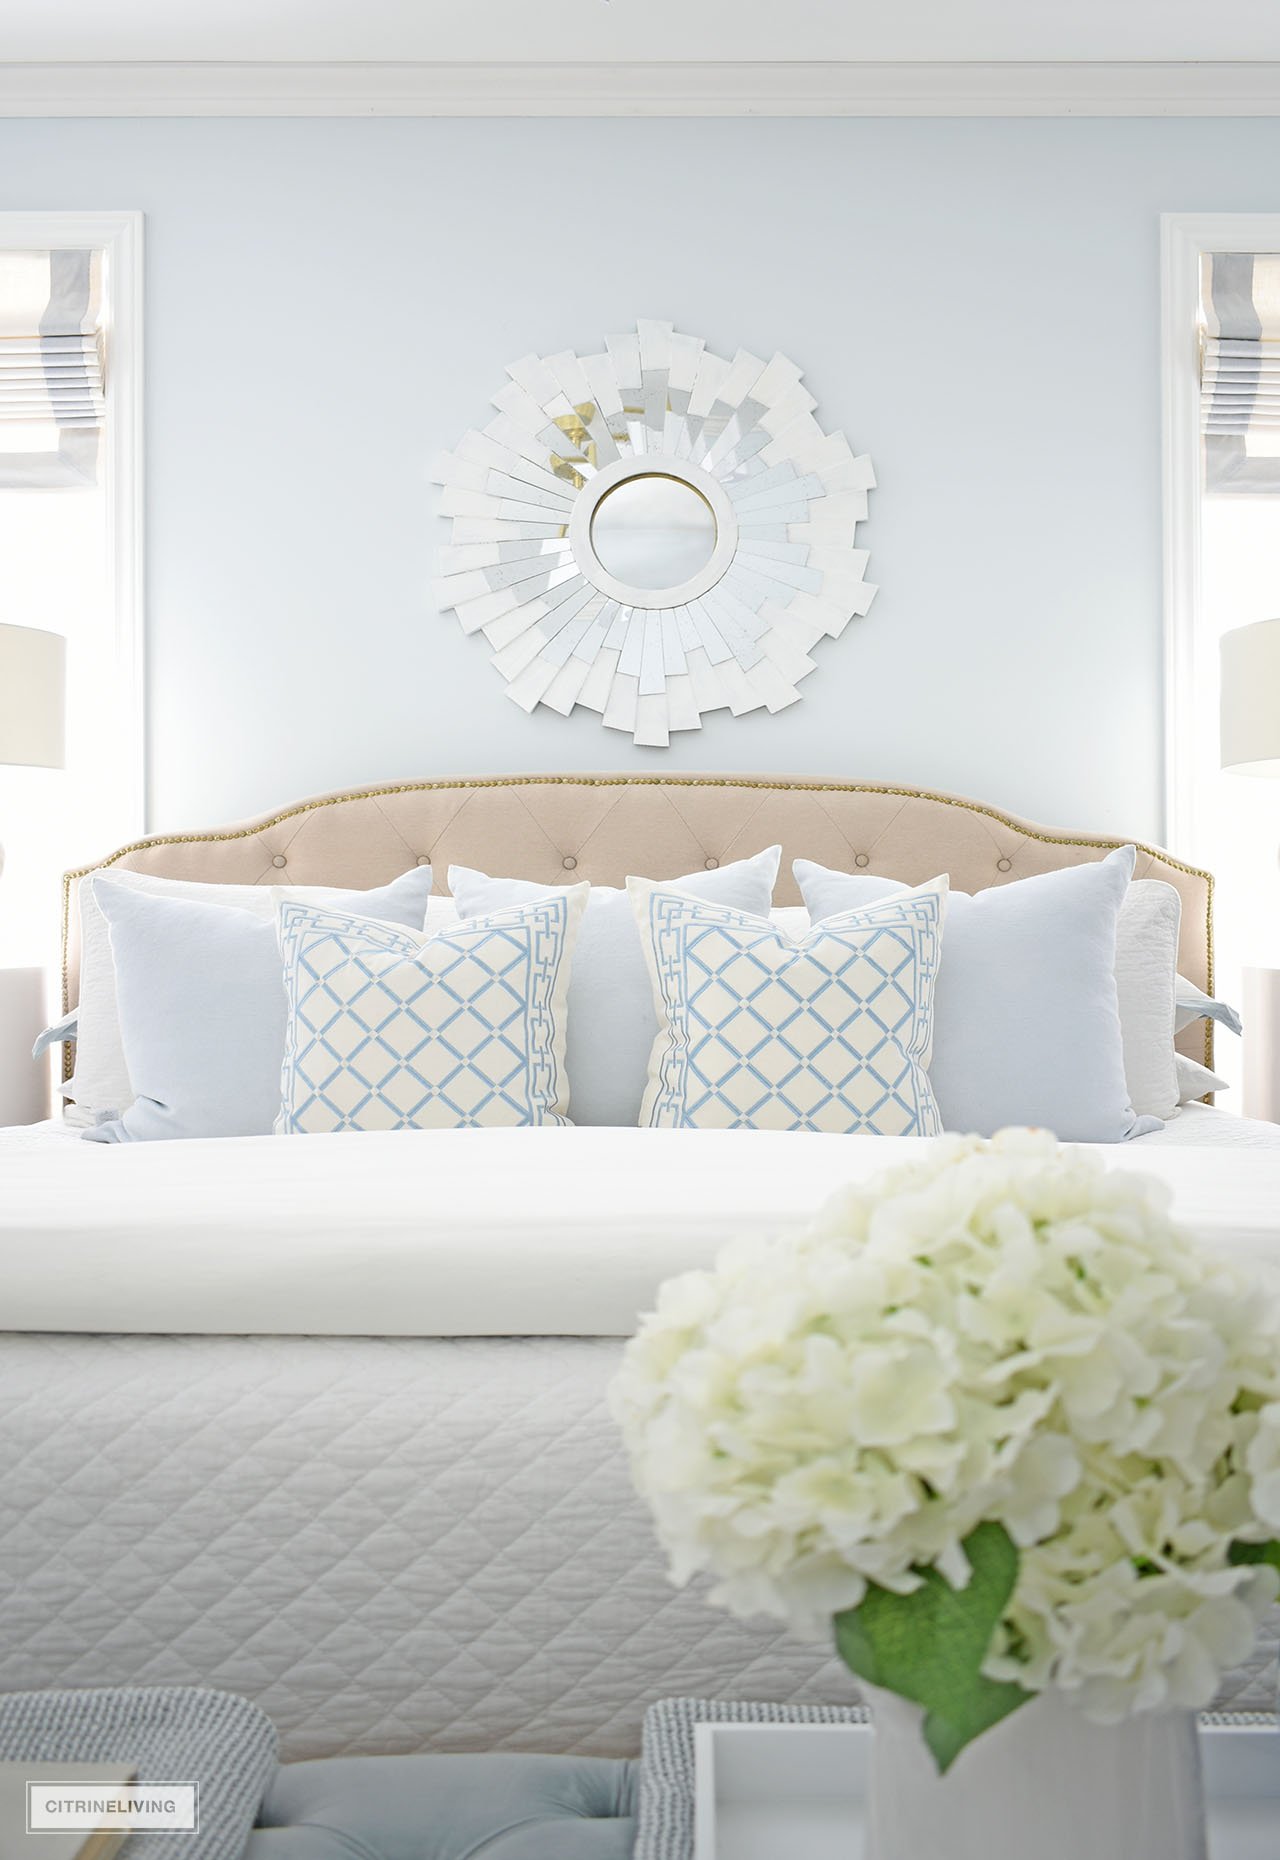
point(624, 471)
point(521, 567)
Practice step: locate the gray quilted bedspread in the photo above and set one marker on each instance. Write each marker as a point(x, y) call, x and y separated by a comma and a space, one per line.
point(389, 1544)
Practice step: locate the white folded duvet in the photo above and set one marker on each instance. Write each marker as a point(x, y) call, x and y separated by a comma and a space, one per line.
point(457, 1233)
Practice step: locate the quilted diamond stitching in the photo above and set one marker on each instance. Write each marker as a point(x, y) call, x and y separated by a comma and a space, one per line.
point(387, 1543)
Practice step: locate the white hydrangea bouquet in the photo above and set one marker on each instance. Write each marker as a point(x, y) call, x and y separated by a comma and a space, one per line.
point(994, 1415)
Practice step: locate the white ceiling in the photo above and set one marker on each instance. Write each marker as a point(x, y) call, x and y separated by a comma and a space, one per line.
point(559, 31)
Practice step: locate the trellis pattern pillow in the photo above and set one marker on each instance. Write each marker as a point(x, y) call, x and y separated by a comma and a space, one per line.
point(830, 1032)
point(390, 1030)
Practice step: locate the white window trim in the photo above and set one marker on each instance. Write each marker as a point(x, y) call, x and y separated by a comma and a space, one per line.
point(120, 236)
point(1185, 238)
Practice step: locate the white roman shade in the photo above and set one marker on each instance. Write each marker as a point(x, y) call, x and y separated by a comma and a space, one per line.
point(51, 368)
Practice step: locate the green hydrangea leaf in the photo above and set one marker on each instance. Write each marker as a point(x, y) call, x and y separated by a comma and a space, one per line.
point(929, 1646)
point(1255, 1553)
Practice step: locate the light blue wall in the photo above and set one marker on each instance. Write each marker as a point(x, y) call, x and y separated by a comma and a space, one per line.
point(975, 303)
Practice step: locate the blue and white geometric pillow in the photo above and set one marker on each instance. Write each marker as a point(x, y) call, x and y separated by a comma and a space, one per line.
point(389, 1029)
point(761, 1032)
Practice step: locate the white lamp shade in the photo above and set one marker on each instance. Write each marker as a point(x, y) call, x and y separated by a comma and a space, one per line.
point(1251, 699)
point(33, 679)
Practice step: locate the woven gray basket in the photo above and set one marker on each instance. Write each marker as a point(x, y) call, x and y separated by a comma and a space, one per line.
point(664, 1827)
point(165, 1734)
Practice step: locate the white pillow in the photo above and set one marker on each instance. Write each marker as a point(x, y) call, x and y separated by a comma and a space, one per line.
point(1028, 1019)
point(1146, 968)
point(390, 1029)
point(1195, 1080)
point(611, 1015)
point(758, 1031)
point(101, 1086)
point(792, 920)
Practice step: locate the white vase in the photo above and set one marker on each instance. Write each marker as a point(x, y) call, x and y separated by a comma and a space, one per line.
point(1043, 1784)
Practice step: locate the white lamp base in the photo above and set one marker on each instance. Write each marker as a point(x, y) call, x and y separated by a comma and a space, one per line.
point(24, 1082)
point(1261, 1009)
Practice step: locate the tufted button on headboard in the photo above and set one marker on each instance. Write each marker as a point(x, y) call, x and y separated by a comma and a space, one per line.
point(561, 828)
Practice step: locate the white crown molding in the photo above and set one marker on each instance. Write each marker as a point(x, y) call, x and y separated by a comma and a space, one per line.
point(720, 89)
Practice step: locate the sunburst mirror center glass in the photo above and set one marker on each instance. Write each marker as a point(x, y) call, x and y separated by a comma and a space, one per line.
point(653, 531)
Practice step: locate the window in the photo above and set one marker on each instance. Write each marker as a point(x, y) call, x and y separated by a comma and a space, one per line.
point(1222, 485)
point(69, 545)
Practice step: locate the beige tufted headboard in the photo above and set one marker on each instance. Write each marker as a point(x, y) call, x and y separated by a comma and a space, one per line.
point(561, 828)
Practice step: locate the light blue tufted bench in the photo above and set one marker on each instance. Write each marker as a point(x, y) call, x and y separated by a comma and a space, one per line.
point(342, 1808)
point(448, 1808)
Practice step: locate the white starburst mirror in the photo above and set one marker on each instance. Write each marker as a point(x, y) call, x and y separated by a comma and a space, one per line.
point(653, 533)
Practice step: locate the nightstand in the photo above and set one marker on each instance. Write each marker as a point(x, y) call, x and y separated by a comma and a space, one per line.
point(24, 1081)
point(1261, 1013)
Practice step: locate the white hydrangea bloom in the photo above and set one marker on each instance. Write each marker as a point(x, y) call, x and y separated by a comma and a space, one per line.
point(1002, 1331)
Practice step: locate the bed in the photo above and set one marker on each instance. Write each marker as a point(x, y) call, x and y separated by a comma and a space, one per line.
point(324, 1422)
